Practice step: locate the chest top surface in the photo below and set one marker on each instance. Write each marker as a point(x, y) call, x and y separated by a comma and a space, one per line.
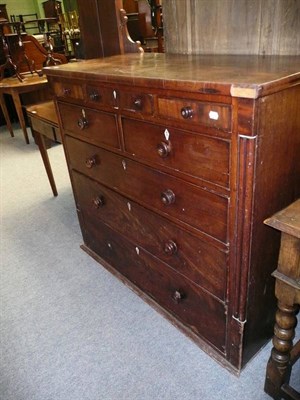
point(238, 76)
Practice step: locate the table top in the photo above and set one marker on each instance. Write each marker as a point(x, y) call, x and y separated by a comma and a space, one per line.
point(45, 111)
point(28, 81)
point(287, 220)
point(235, 75)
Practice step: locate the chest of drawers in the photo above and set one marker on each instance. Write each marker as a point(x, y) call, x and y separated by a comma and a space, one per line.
point(175, 162)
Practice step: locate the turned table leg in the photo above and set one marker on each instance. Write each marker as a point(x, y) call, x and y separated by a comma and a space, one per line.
point(279, 366)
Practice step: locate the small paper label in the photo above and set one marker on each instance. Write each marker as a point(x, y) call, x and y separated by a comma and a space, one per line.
point(213, 115)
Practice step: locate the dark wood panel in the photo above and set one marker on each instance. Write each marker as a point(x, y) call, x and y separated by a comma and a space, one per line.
point(96, 126)
point(171, 290)
point(203, 263)
point(208, 158)
point(170, 196)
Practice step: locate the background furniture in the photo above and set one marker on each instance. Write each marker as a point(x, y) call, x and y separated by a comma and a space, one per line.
point(284, 354)
point(33, 85)
point(175, 162)
point(103, 29)
point(44, 125)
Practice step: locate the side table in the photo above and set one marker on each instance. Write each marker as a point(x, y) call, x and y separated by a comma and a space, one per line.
point(287, 290)
point(13, 87)
point(44, 124)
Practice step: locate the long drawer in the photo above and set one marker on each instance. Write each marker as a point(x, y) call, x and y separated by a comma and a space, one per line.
point(179, 150)
point(97, 127)
point(202, 313)
point(161, 192)
point(199, 261)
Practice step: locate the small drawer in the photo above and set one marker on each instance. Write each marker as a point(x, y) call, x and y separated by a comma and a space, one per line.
point(195, 112)
point(94, 126)
point(68, 90)
point(172, 197)
point(101, 95)
point(186, 152)
point(136, 102)
point(198, 260)
point(44, 128)
point(195, 308)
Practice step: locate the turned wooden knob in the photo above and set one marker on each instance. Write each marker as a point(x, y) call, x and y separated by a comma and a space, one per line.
point(94, 96)
point(163, 149)
point(187, 112)
point(138, 103)
point(90, 162)
point(167, 197)
point(66, 91)
point(178, 296)
point(98, 201)
point(82, 123)
point(170, 247)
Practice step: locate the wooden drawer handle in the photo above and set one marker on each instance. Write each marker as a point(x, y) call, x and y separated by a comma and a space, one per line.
point(167, 197)
point(94, 96)
point(187, 112)
point(178, 296)
point(98, 201)
point(82, 123)
point(90, 162)
point(66, 91)
point(138, 104)
point(164, 149)
point(170, 247)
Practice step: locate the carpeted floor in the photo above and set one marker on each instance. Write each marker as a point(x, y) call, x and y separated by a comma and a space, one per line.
point(69, 329)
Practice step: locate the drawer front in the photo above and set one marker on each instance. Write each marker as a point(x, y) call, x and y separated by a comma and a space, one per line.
point(101, 95)
point(95, 126)
point(68, 90)
point(170, 196)
point(192, 154)
point(43, 128)
point(194, 307)
point(195, 112)
point(199, 261)
point(136, 102)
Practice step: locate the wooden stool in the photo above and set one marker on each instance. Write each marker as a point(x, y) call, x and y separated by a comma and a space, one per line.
point(287, 290)
point(44, 124)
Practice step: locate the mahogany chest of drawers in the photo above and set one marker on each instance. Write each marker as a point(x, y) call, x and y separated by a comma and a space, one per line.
point(175, 162)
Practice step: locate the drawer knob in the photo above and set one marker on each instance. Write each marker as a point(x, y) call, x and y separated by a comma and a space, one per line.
point(90, 162)
point(167, 197)
point(94, 96)
point(99, 201)
point(82, 123)
point(138, 103)
point(187, 112)
point(66, 91)
point(164, 149)
point(178, 295)
point(170, 247)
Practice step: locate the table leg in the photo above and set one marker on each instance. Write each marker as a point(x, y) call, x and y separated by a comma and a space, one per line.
point(19, 110)
point(279, 365)
point(6, 114)
point(41, 144)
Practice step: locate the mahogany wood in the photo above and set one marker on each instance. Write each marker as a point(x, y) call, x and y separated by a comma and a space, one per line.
point(156, 192)
point(44, 125)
